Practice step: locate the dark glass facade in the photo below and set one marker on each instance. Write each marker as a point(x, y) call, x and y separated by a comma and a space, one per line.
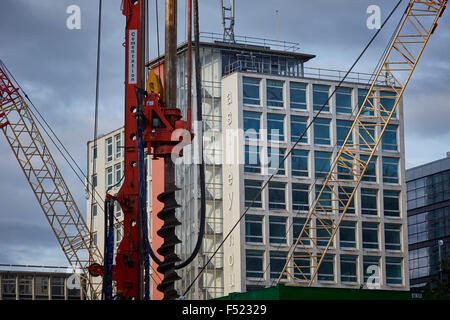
point(428, 194)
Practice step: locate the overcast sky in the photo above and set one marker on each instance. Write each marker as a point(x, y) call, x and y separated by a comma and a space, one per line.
point(56, 67)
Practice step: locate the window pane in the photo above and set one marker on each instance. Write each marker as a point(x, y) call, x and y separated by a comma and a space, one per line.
point(252, 124)
point(391, 203)
point(392, 236)
point(348, 268)
point(251, 91)
point(252, 160)
point(297, 226)
point(322, 161)
point(275, 127)
point(342, 130)
point(369, 104)
point(118, 140)
point(347, 234)
point(369, 202)
point(388, 102)
point(300, 197)
point(277, 230)
point(252, 188)
point(389, 140)
point(298, 126)
point(254, 263)
point(253, 229)
point(298, 95)
point(370, 235)
point(320, 97)
point(322, 131)
point(390, 170)
point(299, 163)
point(394, 270)
point(277, 262)
point(344, 100)
point(274, 93)
point(370, 174)
point(109, 149)
point(277, 195)
point(370, 265)
point(324, 230)
point(275, 156)
point(326, 269)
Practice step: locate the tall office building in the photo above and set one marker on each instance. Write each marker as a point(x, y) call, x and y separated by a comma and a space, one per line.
point(262, 86)
point(428, 193)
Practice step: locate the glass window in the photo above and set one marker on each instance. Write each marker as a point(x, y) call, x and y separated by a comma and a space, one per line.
point(389, 140)
point(109, 149)
point(391, 203)
point(322, 131)
point(252, 160)
point(369, 202)
point(94, 210)
point(388, 102)
point(300, 197)
point(368, 110)
point(370, 175)
point(344, 195)
point(367, 136)
point(299, 160)
point(253, 229)
point(275, 156)
point(392, 236)
point(118, 169)
point(390, 170)
point(347, 234)
point(320, 97)
point(342, 130)
point(275, 127)
point(252, 124)
point(274, 93)
point(297, 226)
point(252, 188)
point(277, 195)
point(109, 177)
point(325, 199)
point(94, 181)
point(371, 268)
point(277, 262)
point(345, 167)
point(298, 95)
point(344, 100)
point(251, 91)
point(118, 140)
point(298, 126)
point(302, 269)
point(25, 287)
point(254, 263)
point(326, 269)
point(394, 270)
point(322, 161)
point(41, 287)
point(370, 235)
point(348, 268)
point(324, 230)
point(277, 230)
point(94, 153)
point(57, 288)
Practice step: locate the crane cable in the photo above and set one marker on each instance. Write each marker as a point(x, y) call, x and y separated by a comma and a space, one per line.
point(292, 148)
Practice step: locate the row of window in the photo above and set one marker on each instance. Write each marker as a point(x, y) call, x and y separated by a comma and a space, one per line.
point(279, 230)
point(275, 97)
point(255, 268)
point(322, 130)
point(277, 198)
point(300, 165)
point(113, 148)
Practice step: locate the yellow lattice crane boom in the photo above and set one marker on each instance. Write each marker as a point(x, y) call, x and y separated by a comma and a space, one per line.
point(47, 183)
point(347, 169)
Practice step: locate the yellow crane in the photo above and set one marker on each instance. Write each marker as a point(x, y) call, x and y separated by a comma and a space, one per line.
point(41, 171)
point(339, 186)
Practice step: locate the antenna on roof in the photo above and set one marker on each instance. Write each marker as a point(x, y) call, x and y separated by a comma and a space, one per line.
point(227, 14)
